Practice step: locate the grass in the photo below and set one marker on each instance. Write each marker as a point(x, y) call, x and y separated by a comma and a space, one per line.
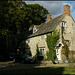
point(45, 70)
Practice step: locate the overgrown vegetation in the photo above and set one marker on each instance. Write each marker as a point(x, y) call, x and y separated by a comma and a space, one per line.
point(65, 50)
point(16, 19)
point(51, 40)
point(37, 52)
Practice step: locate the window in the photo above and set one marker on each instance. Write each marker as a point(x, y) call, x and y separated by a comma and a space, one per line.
point(28, 40)
point(42, 37)
point(41, 51)
point(35, 30)
point(64, 24)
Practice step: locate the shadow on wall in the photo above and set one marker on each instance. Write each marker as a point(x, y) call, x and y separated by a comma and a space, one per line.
point(36, 56)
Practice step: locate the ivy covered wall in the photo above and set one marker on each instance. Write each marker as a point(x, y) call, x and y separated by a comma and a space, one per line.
point(51, 40)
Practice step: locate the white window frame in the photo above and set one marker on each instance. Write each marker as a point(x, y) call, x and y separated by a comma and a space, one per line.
point(63, 24)
point(41, 49)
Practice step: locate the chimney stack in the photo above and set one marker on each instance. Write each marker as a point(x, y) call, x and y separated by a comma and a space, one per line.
point(67, 10)
point(48, 17)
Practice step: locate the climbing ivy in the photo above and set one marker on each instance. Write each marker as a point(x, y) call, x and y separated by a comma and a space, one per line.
point(65, 50)
point(51, 40)
point(37, 52)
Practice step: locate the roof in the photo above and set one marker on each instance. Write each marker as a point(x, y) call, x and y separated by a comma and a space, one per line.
point(48, 26)
point(37, 26)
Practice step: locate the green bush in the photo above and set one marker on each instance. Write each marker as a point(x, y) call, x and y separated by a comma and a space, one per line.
point(65, 50)
point(37, 51)
point(51, 40)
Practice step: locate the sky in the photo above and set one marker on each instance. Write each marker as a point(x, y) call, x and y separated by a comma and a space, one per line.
point(55, 8)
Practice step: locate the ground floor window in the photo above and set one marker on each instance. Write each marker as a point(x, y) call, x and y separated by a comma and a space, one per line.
point(41, 51)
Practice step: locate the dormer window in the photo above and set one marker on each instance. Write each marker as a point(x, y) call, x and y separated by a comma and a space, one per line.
point(35, 30)
point(64, 24)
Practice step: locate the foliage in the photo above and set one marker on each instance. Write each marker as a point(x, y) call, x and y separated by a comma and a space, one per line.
point(65, 50)
point(3, 25)
point(51, 40)
point(37, 51)
point(39, 13)
point(16, 18)
point(3, 18)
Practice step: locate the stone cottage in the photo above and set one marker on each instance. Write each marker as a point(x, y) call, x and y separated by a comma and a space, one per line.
point(39, 34)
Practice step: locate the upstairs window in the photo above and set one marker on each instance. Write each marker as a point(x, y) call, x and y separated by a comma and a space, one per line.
point(35, 30)
point(42, 37)
point(28, 40)
point(64, 24)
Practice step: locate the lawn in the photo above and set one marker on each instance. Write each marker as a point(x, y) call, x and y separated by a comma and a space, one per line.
point(45, 70)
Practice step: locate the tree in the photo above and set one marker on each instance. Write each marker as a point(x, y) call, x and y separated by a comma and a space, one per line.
point(16, 18)
point(22, 16)
point(3, 25)
point(38, 13)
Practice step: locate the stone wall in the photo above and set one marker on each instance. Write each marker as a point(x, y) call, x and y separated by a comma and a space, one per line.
point(68, 34)
point(72, 54)
point(33, 45)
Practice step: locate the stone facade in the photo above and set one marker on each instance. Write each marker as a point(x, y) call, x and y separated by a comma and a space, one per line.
point(67, 30)
point(41, 44)
point(68, 34)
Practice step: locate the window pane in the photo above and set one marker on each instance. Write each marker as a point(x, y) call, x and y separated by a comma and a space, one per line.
point(63, 23)
point(41, 52)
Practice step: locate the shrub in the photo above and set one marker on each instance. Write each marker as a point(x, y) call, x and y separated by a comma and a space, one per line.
point(37, 51)
point(65, 50)
point(51, 40)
